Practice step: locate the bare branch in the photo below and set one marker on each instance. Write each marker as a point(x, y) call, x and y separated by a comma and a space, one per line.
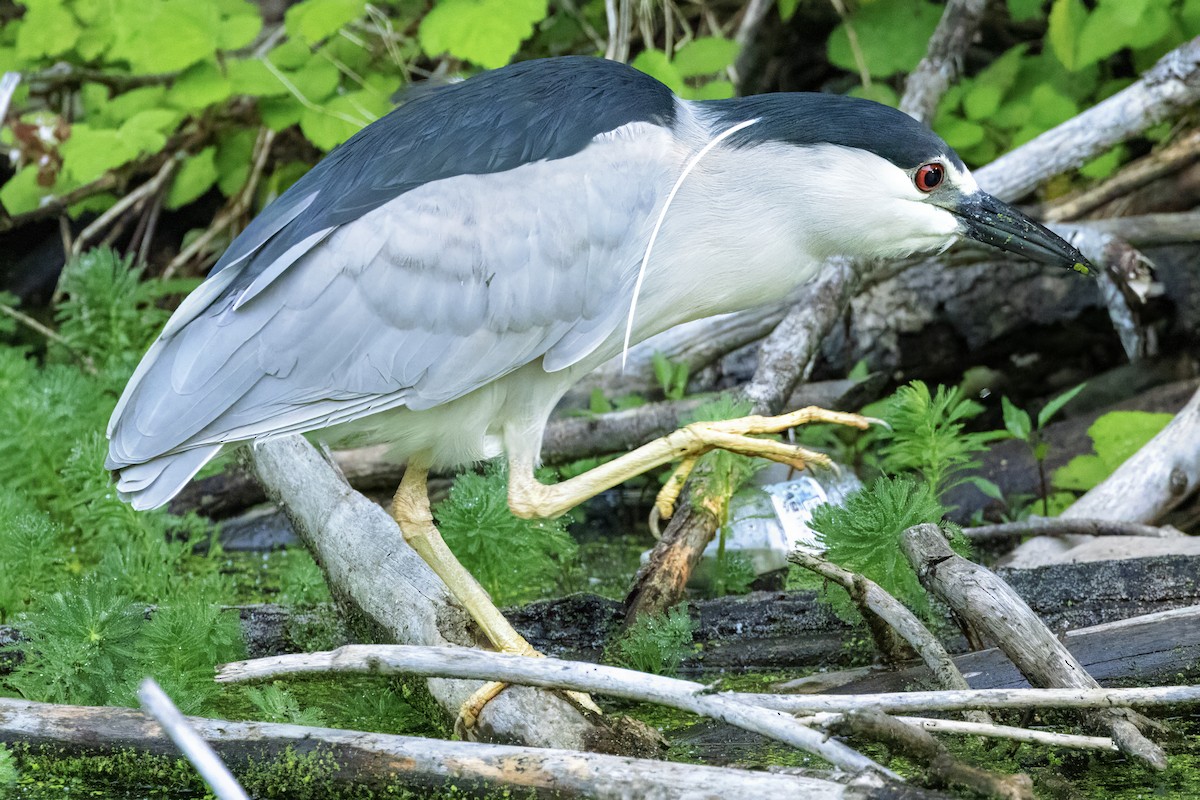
point(382, 761)
point(943, 58)
point(553, 673)
point(156, 703)
point(1067, 525)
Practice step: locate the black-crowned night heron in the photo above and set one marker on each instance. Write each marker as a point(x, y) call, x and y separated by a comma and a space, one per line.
point(442, 278)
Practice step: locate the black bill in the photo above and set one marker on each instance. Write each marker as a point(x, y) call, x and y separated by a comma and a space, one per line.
point(991, 221)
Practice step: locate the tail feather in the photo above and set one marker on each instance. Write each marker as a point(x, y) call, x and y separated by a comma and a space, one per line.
point(154, 482)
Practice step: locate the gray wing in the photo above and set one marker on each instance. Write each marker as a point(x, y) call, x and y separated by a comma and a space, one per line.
point(415, 303)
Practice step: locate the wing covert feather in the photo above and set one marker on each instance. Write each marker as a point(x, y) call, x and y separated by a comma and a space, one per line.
point(417, 302)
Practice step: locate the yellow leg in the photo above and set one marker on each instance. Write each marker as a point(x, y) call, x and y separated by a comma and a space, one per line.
point(410, 509)
point(529, 498)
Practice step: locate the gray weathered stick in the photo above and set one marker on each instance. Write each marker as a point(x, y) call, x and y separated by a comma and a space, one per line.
point(912, 702)
point(554, 673)
point(992, 607)
point(874, 601)
point(943, 58)
point(218, 777)
point(381, 760)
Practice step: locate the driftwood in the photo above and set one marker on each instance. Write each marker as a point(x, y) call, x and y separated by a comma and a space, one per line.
point(383, 584)
point(959, 700)
point(558, 674)
point(920, 746)
point(880, 609)
point(380, 760)
point(988, 604)
point(1152, 648)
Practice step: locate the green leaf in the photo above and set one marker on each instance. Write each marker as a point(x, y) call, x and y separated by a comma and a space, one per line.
point(292, 54)
point(656, 64)
point(1189, 15)
point(959, 133)
point(167, 35)
point(1016, 420)
point(195, 177)
point(705, 56)
point(598, 403)
point(342, 117)
point(22, 192)
point(1067, 18)
point(1056, 405)
point(316, 80)
point(1116, 436)
point(200, 86)
point(232, 160)
point(146, 131)
point(1050, 107)
point(314, 20)
point(251, 77)
point(892, 34)
point(47, 29)
point(787, 9)
point(1022, 10)
point(280, 112)
point(712, 90)
point(486, 32)
point(1104, 164)
point(239, 30)
point(988, 488)
point(879, 92)
point(89, 153)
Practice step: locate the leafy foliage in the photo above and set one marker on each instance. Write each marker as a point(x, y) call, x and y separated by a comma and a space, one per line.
point(928, 435)
point(863, 535)
point(8, 768)
point(655, 643)
point(1116, 436)
point(276, 704)
point(511, 557)
point(61, 524)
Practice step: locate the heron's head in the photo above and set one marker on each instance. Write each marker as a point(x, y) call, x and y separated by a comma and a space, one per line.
point(869, 180)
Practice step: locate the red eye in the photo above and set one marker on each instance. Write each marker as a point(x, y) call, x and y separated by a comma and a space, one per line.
point(929, 177)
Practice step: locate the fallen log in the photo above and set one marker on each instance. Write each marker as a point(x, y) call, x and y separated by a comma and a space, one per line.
point(381, 761)
point(1149, 649)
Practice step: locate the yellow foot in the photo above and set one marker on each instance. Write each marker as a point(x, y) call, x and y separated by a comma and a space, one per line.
point(468, 713)
point(738, 436)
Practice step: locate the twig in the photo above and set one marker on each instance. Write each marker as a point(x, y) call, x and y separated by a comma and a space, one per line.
point(85, 362)
point(134, 198)
point(1067, 525)
point(381, 761)
point(917, 744)
point(1071, 740)
point(1160, 163)
point(901, 702)
point(876, 604)
point(556, 674)
point(992, 607)
point(860, 61)
point(620, 23)
point(64, 74)
point(156, 703)
point(943, 58)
